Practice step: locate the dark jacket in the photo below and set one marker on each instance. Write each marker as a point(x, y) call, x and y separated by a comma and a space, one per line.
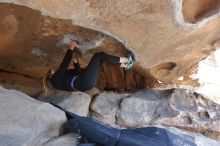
point(62, 77)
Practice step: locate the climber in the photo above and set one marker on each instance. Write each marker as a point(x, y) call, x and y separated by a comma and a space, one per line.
point(76, 79)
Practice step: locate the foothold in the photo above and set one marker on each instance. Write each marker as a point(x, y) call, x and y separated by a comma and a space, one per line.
point(186, 120)
point(204, 115)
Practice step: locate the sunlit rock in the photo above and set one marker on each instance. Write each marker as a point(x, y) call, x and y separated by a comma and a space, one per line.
point(207, 73)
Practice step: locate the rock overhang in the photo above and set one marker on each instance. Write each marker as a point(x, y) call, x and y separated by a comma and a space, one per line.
point(151, 29)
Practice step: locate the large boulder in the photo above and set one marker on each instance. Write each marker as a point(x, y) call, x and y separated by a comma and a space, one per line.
point(76, 102)
point(140, 107)
point(105, 106)
point(35, 60)
point(26, 121)
point(172, 107)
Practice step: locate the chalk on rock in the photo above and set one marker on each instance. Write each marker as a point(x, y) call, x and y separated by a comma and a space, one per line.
point(84, 45)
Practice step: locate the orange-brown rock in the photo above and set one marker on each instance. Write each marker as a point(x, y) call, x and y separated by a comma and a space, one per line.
point(30, 47)
point(21, 83)
point(149, 29)
point(193, 10)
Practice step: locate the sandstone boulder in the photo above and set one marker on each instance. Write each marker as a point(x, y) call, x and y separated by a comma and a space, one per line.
point(76, 102)
point(192, 112)
point(140, 107)
point(195, 9)
point(172, 107)
point(105, 106)
point(26, 121)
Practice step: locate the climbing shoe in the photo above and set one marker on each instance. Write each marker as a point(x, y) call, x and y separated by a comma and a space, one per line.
point(130, 61)
point(129, 66)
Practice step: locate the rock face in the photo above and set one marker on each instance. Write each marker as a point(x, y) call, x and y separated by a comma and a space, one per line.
point(169, 38)
point(138, 108)
point(30, 86)
point(76, 102)
point(41, 49)
point(172, 107)
point(195, 9)
point(148, 28)
point(26, 121)
point(192, 111)
point(105, 106)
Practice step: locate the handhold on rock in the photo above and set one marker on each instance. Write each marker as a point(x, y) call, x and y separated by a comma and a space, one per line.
point(84, 45)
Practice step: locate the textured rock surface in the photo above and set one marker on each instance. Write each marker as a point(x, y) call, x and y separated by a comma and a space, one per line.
point(37, 46)
point(138, 108)
point(165, 46)
point(26, 121)
point(65, 140)
point(172, 107)
point(195, 9)
point(17, 125)
point(199, 139)
point(76, 102)
point(30, 86)
point(146, 27)
point(190, 110)
point(105, 107)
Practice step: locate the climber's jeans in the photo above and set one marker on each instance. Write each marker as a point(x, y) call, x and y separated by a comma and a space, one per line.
point(89, 76)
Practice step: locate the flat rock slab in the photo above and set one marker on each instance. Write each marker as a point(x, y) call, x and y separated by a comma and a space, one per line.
point(76, 102)
point(26, 121)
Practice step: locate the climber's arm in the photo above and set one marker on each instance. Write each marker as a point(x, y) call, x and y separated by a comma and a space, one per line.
point(69, 54)
point(76, 66)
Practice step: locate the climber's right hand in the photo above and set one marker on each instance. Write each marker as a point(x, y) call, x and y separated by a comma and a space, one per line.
point(73, 44)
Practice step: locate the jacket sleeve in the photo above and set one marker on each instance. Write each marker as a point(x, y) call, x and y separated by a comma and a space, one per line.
point(66, 60)
point(77, 68)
